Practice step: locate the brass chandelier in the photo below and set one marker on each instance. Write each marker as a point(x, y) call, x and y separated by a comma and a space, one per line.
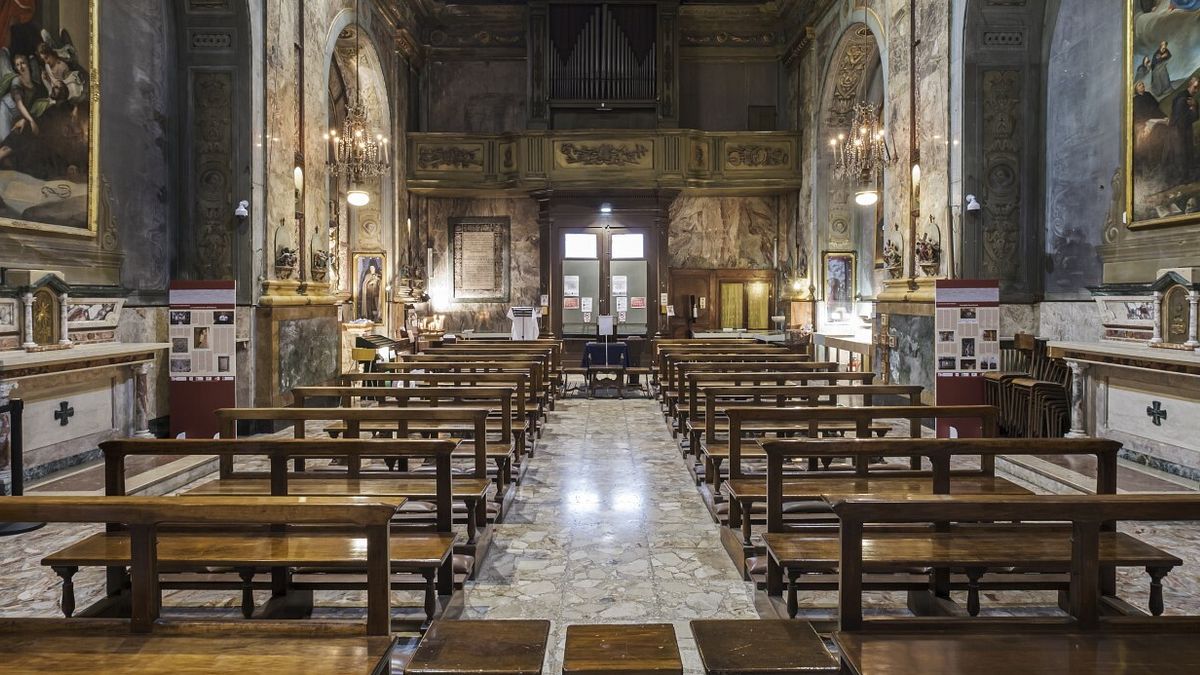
point(860, 156)
point(356, 153)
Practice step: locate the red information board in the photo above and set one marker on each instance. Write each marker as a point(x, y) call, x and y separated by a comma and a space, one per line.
point(203, 338)
point(967, 345)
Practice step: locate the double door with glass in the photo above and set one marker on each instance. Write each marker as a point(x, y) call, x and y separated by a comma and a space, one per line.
point(605, 272)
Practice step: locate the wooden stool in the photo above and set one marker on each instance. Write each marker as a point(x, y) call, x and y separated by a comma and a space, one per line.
point(623, 648)
point(495, 647)
point(750, 647)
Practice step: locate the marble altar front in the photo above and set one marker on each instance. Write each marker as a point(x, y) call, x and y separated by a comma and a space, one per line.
point(1146, 398)
point(75, 399)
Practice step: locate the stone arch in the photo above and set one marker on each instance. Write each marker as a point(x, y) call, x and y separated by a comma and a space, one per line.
point(365, 227)
point(854, 70)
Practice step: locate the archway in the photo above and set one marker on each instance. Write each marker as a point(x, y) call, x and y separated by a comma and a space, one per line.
point(854, 74)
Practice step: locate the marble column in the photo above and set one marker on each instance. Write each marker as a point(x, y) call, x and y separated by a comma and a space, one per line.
point(141, 389)
point(28, 300)
point(6, 390)
point(1078, 399)
point(1193, 302)
point(1156, 317)
point(64, 337)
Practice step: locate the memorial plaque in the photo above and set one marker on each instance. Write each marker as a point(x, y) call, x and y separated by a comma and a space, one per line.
point(480, 251)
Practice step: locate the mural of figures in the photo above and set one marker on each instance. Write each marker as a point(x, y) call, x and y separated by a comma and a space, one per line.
point(46, 112)
point(1164, 72)
point(369, 286)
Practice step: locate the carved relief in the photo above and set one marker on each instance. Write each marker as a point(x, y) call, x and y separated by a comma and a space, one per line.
point(604, 154)
point(443, 157)
point(859, 51)
point(666, 38)
point(748, 156)
point(724, 39)
point(212, 175)
point(537, 66)
point(479, 38)
point(1002, 170)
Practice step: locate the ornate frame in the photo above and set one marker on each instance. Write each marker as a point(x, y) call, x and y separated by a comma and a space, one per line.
point(93, 142)
point(501, 226)
point(826, 256)
point(1153, 223)
point(356, 291)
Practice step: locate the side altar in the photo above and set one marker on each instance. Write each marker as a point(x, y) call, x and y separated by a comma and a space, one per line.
point(1145, 397)
point(60, 355)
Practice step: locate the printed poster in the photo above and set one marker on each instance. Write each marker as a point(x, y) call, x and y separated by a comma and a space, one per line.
point(620, 285)
point(571, 286)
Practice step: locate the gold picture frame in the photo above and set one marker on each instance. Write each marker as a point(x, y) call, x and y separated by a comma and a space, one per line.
point(839, 275)
point(1148, 129)
point(93, 151)
point(369, 295)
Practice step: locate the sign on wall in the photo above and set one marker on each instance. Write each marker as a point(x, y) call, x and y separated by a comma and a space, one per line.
point(479, 254)
point(201, 362)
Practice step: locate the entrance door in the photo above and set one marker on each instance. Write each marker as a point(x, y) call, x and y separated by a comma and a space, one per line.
point(605, 271)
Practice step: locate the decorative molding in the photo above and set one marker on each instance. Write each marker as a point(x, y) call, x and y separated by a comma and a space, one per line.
point(212, 173)
point(1002, 174)
point(724, 39)
point(603, 154)
point(755, 156)
point(860, 49)
point(455, 157)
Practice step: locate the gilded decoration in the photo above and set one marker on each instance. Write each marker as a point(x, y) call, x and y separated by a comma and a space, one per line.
point(578, 154)
point(45, 317)
point(54, 177)
point(450, 157)
point(747, 156)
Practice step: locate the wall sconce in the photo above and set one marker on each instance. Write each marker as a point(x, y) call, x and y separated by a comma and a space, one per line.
point(973, 205)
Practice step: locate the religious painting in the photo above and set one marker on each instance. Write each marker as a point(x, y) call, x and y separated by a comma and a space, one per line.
point(479, 259)
point(1162, 58)
point(839, 285)
point(49, 115)
point(369, 286)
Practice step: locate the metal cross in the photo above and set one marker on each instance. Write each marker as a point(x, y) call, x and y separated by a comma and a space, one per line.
point(64, 414)
point(1157, 412)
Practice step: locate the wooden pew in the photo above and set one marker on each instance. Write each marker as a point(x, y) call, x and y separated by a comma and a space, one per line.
point(524, 403)
point(538, 394)
point(677, 371)
point(144, 517)
point(807, 550)
point(1085, 549)
point(427, 554)
point(503, 449)
point(354, 418)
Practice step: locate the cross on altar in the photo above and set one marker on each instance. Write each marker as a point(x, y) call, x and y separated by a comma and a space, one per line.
point(64, 414)
point(1157, 413)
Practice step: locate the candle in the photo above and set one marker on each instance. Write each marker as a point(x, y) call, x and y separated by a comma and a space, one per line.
point(429, 263)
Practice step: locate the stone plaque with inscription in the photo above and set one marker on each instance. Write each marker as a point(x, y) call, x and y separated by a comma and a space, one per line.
point(480, 250)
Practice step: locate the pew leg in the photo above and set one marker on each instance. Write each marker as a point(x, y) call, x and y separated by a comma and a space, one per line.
point(973, 576)
point(430, 596)
point(67, 574)
point(247, 575)
point(793, 606)
point(774, 577)
point(472, 529)
point(1156, 592)
point(746, 531)
point(445, 578)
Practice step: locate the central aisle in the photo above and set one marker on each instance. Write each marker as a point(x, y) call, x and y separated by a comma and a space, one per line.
point(607, 527)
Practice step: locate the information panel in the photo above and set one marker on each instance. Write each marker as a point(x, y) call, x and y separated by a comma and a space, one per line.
point(967, 335)
point(201, 362)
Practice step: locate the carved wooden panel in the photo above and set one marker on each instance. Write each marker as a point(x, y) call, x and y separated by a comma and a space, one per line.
point(212, 161)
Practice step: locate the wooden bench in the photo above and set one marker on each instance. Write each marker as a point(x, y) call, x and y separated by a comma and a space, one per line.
point(769, 646)
point(419, 549)
point(622, 648)
point(1099, 633)
point(367, 519)
point(538, 396)
point(482, 647)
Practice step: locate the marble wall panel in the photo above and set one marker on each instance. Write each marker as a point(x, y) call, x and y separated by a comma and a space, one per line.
point(477, 96)
point(524, 265)
point(1018, 319)
point(308, 352)
point(912, 360)
point(723, 232)
point(1069, 321)
point(1083, 141)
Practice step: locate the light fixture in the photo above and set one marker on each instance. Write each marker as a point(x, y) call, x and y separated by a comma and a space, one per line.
point(861, 156)
point(358, 197)
point(357, 153)
point(866, 197)
point(606, 208)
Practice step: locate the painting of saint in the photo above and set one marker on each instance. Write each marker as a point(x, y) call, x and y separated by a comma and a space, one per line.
point(46, 114)
point(369, 296)
point(839, 286)
point(1164, 86)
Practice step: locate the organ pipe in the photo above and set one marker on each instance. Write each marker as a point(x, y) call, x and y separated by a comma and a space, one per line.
point(594, 57)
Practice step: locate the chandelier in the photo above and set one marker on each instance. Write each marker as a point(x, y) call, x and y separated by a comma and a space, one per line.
point(355, 153)
point(861, 156)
